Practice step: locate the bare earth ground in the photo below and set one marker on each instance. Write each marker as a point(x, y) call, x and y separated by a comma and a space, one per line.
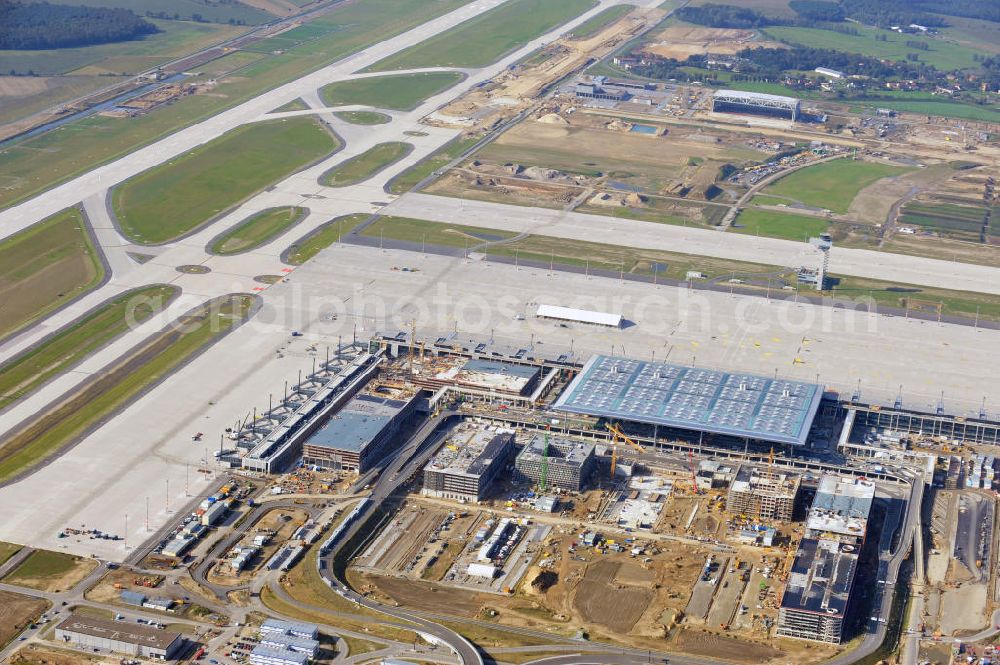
point(963, 608)
point(16, 611)
point(873, 203)
point(39, 655)
point(600, 600)
point(681, 41)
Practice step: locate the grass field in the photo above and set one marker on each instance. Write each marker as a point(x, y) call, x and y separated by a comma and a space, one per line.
point(593, 25)
point(770, 224)
point(487, 37)
point(832, 185)
point(172, 199)
point(25, 372)
point(402, 92)
point(217, 12)
point(943, 108)
point(409, 178)
point(45, 267)
point(297, 104)
point(50, 571)
point(82, 145)
point(363, 117)
point(941, 54)
point(257, 230)
point(308, 247)
point(7, 550)
point(362, 167)
point(93, 402)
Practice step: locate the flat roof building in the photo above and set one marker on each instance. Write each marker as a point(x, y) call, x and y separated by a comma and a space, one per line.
point(840, 509)
point(692, 399)
point(763, 494)
point(817, 596)
point(468, 463)
point(262, 655)
point(757, 103)
point(120, 637)
point(305, 645)
point(295, 628)
point(357, 436)
point(564, 463)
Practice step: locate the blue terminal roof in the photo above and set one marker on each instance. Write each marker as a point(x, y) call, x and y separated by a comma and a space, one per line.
point(743, 405)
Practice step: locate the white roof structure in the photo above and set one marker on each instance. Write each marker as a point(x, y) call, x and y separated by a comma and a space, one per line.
point(579, 315)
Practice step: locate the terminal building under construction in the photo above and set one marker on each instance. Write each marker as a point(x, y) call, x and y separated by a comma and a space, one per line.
point(762, 494)
point(468, 462)
point(549, 461)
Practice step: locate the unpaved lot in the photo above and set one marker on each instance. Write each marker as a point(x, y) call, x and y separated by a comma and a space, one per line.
point(603, 597)
point(17, 611)
point(681, 41)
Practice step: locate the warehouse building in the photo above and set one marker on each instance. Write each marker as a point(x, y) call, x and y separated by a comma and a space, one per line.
point(126, 638)
point(817, 596)
point(762, 494)
point(358, 436)
point(467, 464)
point(756, 103)
point(564, 463)
point(688, 402)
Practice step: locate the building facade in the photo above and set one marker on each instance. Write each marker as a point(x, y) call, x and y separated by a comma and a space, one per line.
point(551, 461)
point(466, 466)
point(358, 436)
point(761, 494)
point(120, 637)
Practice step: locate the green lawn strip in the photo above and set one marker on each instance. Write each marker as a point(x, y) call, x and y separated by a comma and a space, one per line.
point(487, 37)
point(42, 564)
point(257, 230)
point(95, 401)
point(832, 185)
point(402, 92)
point(939, 53)
point(176, 197)
point(419, 231)
point(942, 108)
point(660, 211)
point(594, 24)
point(302, 250)
point(409, 178)
point(22, 374)
point(297, 104)
point(770, 224)
point(919, 298)
point(44, 267)
point(364, 117)
point(78, 147)
point(763, 200)
point(362, 167)
point(7, 550)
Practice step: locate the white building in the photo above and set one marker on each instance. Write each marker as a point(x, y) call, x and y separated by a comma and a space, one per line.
point(832, 73)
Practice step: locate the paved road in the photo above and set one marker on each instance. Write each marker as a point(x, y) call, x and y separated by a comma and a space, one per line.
point(704, 242)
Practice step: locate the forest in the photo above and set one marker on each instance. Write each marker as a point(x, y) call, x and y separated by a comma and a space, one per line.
point(41, 25)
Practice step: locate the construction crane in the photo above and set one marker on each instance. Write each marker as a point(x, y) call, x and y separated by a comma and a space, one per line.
point(616, 435)
point(413, 346)
point(694, 475)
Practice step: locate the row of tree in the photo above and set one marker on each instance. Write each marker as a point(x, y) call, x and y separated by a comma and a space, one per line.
point(40, 25)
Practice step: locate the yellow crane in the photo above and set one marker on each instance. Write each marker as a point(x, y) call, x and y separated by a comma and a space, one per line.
point(616, 436)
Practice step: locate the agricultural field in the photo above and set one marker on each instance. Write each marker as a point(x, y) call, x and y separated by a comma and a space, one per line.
point(65, 348)
point(940, 54)
point(22, 96)
point(770, 224)
point(409, 178)
point(175, 198)
point(362, 167)
point(45, 267)
point(119, 384)
point(16, 612)
point(487, 37)
point(82, 145)
point(257, 230)
point(962, 222)
point(403, 92)
point(50, 571)
point(364, 117)
point(315, 242)
point(831, 185)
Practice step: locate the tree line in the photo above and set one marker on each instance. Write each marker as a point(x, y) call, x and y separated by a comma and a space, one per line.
point(41, 25)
